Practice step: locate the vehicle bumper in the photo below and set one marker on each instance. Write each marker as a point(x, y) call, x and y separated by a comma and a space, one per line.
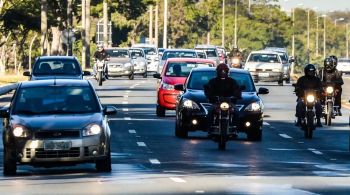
point(119, 72)
point(267, 76)
point(167, 98)
point(140, 70)
point(87, 149)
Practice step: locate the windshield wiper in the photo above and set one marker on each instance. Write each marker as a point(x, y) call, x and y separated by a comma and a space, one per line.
point(26, 112)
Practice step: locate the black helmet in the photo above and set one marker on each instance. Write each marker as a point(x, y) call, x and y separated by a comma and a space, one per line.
point(335, 60)
point(328, 64)
point(310, 70)
point(222, 70)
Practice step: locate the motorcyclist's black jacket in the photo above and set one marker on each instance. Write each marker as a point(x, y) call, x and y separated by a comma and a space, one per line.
point(222, 88)
point(101, 55)
point(308, 83)
point(334, 77)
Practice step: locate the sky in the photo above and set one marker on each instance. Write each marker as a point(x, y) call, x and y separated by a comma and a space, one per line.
point(321, 5)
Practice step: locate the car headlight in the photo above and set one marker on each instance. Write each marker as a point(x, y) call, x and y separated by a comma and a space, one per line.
point(329, 89)
point(93, 129)
point(167, 86)
point(190, 104)
point(276, 70)
point(127, 64)
point(255, 106)
point(224, 106)
point(20, 131)
point(310, 98)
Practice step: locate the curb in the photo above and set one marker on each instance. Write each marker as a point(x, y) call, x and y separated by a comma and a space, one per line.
point(7, 88)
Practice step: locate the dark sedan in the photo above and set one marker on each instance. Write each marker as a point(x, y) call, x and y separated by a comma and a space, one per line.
point(58, 67)
point(54, 123)
point(194, 112)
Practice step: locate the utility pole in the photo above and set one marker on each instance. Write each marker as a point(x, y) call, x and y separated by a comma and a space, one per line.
point(43, 27)
point(235, 43)
point(69, 27)
point(223, 24)
point(83, 25)
point(347, 40)
point(293, 36)
point(105, 24)
point(316, 36)
point(249, 5)
point(156, 26)
point(208, 27)
point(308, 36)
point(87, 32)
point(165, 29)
point(150, 29)
point(324, 37)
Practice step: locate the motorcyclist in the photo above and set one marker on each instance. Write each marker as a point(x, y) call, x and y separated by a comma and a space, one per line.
point(235, 54)
point(329, 74)
point(308, 82)
point(101, 54)
point(222, 85)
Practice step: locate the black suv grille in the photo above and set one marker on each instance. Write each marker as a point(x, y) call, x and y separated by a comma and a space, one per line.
point(41, 153)
point(57, 134)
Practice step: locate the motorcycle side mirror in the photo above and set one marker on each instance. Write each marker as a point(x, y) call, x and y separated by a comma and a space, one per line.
point(109, 110)
point(86, 73)
point(263, 90)
point(294, 85)
point(179, 87)
point(26, 73)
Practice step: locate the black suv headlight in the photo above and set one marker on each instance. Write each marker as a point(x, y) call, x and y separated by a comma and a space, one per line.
point(92, 129)
point(20, 131)
point(255, 106)
point(186, 103)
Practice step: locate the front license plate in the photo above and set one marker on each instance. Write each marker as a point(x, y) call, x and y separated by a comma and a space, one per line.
point(264, 74)
point(57, 145)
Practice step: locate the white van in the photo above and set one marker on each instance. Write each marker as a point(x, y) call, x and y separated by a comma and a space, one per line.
point(265, 65)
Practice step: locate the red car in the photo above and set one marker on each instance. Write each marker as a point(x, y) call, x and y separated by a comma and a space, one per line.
point(175, 71)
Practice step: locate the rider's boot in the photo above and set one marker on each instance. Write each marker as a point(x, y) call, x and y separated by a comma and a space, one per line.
point(298, 123)
point(318, 123)
point(339, 112)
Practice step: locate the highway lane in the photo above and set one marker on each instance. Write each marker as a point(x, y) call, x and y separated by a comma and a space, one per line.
point(148, 159)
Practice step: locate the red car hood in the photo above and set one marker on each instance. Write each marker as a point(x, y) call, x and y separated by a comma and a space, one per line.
point(174, 80)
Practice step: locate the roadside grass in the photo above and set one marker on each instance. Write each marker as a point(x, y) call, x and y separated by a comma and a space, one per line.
point(11, 78)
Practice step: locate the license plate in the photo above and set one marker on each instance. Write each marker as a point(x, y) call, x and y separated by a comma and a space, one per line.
point(264, 74)
point(57, 145)
point(116, 69)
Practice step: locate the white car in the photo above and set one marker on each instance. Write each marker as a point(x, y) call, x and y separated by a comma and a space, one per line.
point(139, 60)
point(344, 65)
point(265, 66)
point(152, 56)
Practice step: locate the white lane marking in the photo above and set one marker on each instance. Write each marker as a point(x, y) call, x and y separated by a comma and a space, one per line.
point(199, 192)
point(141, 144)
point(154, 161)
point(127, 118)
point(315, 151)
point(266, 123)
point(124, 102)
point(125, 96)
point(284, 149)
point(285, 136)
point(178, 180)
point(138, 119)
point(132, 131)
point(125, 109)
point(143, 82)
point(127, 91)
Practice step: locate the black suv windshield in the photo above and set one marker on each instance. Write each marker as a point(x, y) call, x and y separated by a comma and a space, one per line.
point(56, 67)
point(55, 100)
point(198, 79)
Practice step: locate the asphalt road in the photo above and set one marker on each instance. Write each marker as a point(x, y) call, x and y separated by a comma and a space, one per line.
point(148, 159)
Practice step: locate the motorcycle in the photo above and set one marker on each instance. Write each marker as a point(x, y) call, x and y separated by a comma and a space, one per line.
point(223, 128)
point(100, 70)
point(308, 123)
point(236, 62)
point(329, 110)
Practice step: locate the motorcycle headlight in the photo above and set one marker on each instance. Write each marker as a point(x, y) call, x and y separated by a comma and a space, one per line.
point(235, 61)
point(310, 98)
point(93, 129)
point(20, 131)
point(167, 86)
point(190, 104)
point(224, 106)
point(255, 106)
point(329, 89)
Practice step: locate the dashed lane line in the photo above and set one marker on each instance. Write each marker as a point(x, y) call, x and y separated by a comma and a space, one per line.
point(127, 118)
point(315, 151)
point(132, 131)
point(285, 136)
point(199, 191)
point(141, 144)
point(125, 109)
point(124, 102)
point(178, 180)
point(154, 161)
point(266, 123)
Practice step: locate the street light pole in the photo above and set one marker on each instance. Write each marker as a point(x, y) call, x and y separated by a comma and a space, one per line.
point(347, 40)
point(308, 36)
point(316, 36)
point(293, 36)
point(324, 36)
point(150, 33)
point(105, 24)
point(156, 26)
point(165, 29)
point(235, 43)
point(223, 24)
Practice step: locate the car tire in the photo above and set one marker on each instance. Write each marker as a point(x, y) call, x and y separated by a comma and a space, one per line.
point(160, 111)
point(144, 75)
point(280, 82)
point(288, 80)
point(254, 134)
point(180, 132)
point(131, 77)
point(10, 164)
point(105, 165)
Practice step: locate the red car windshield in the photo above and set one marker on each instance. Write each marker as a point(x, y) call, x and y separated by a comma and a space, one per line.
point(183, 69)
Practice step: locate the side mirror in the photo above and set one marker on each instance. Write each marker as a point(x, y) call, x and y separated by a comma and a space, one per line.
point(157, 76)
point(27, 74)
point(109, 110)
point(179, 87)
point(296, 85)
point(86, 73)
point(4, 113)
point(263, 90)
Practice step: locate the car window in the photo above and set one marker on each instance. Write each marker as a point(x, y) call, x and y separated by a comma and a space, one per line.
point(55, 100)
point(135, 53)
point(57, 67)
point(210, 52)
point(179, 54)
point(266, 58)
point(198, 79)
point(150, 50)
point(344, 60)
point(183, 69)
point(283, 57)
point(201, 55)
point(118, 53)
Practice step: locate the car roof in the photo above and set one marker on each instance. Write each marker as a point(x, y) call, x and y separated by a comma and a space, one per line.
point(123, 48)
point(265, 52)
point(279, 49)
point(179, 50)
point(51, 82)
point(205, 69)
point(57, 57)
point(205, 46)
point(190, 60)
point(143, 45)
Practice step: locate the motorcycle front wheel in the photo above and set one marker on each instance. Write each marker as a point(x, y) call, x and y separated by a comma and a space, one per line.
point(310, 125)
point(329, 113)
point(99, 78)
point(223, 135)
